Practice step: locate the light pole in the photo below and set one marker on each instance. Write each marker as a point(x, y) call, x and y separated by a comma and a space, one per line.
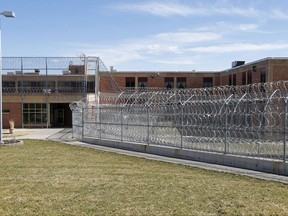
point(9, 14)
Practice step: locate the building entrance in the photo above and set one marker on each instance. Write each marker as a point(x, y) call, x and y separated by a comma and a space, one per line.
point(60, 115)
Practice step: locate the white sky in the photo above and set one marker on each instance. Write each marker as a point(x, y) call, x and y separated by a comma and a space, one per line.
point(174, 35)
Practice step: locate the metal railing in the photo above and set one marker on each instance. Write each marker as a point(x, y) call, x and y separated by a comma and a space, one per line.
point(42, 90)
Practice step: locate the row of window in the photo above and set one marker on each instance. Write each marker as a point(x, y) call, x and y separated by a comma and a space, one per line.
point(247, 77)
point(39, 86)
point(168, 82)
point(34, 114)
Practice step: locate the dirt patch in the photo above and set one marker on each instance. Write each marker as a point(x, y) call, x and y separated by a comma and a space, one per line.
point(11, 142)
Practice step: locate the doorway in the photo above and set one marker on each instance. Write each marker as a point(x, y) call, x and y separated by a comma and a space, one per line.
point(60, 115)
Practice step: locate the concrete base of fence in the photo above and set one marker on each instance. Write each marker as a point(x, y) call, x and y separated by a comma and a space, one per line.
point(259, 164)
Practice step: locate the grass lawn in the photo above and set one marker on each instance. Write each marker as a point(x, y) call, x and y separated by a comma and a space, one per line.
point(49, 178)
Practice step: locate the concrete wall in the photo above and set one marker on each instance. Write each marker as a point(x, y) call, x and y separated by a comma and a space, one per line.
point(263, 165)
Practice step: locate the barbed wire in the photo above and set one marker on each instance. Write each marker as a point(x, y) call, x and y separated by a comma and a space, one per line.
point(246, 120)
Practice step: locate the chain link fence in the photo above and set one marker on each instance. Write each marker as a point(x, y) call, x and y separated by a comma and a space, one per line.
point(241, 120)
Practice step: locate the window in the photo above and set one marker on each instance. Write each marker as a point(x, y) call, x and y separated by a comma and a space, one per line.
point(169, 82)
point(6, 111)
point(130, 82)
point(70, 87)
point(8, 87)
point(7, 84)
point(51, 85)
point(249, 77)
point(207, 82)
point(142, 82)
point(263, 75)
point(232, 79)
point(181, 82)
point(33, 86)
point(34, 114)
point(91, 87)
point(244, 78)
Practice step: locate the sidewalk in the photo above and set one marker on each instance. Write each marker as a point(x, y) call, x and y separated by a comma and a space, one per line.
point(35, 133)
point(64, 135)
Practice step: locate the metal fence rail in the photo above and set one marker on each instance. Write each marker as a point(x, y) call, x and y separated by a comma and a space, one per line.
point(242, 120)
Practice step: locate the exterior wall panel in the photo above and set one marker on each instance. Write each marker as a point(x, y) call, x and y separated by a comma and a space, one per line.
point(15, 113)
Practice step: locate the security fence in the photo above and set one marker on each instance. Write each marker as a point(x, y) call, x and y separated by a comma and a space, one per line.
point(32, 75)
point(241, 120)
point(42, 87)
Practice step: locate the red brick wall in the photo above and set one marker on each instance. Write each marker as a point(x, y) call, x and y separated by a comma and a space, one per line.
point(256, 76)
point(76, 69)
point(280, 73)
point(156, 82)
point(217, 81)
point(15, 114)
point(194, 82)
point(239, 78)
point(107, 85)
point(225, 80)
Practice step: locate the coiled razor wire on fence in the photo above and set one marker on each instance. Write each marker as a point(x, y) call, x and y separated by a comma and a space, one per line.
point(248, 120)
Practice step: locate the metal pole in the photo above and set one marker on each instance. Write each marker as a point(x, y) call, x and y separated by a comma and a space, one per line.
point(46, 96)
point(284, 131)
point(97, 81)
point(226, 130)
point(85, 77)
point(8, 14)
point(1, 123)
point(100, 123)
point(82, 122)
point(121, 123)
point(182, 125)
point(21, 89)
point(148, 125)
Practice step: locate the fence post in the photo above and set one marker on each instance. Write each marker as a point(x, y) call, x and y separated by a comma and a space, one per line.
point(284, 131)
point(121, 113)
point(182, 123)
point(82, 122)
point(226, 109)
point(148, 125)
point(226, 129)
point(100, 122)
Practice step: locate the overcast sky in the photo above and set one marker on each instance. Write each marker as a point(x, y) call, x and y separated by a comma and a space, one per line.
point(140, 35)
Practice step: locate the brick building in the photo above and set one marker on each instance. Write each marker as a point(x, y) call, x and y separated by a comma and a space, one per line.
point(264, 70)
point(37, 99)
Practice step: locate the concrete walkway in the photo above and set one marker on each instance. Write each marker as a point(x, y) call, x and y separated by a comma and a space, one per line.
point(21, 133)
point(64, 135)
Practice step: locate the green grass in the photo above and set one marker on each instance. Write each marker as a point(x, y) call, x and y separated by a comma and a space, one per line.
point(49, 178)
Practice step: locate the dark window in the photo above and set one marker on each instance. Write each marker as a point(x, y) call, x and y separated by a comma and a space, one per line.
point(34, 114)
point(70, 87)
point(207, 82)
point(181, 82)
point(90, 87)
point(249, 77)
point(51, 84)
point(169, 82)
point(142, 82)
point(31, 86)
point(6, 111)
point(6, 84)
point(130, 82)
point(263, 75)
point(232, 79)
point(244, 78)
point(8, 87)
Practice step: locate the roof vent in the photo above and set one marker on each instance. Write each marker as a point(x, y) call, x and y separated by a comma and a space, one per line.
point(237, 63)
